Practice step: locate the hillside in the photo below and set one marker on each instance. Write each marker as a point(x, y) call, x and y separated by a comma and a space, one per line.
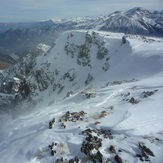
point(95, 97)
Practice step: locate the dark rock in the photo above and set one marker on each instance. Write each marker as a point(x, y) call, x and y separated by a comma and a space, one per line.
point(149, 93)
point(73, 117)
point(71, 161)
point(99, 157)
point(53, 152)
point(147, 159)
point(133, 101)
point(51, 123)
point(118, 159)
point(91, 142)
point(123, 40)
point(61, 159)
point(145, 150)
point(63, 125)
point(138, 155)
point(112, 149)
point(58, 161)
point(141, 159)
point(90, 95)
point(144, 154)
point(119, 150)
point(76, 159)
point(51, 146)
point(87, 131)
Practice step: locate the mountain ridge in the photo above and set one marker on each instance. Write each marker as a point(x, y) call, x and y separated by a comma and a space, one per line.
point(136, 21)
point(87, 56)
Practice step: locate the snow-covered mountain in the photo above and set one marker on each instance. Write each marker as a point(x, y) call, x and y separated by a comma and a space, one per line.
point(94, 97)
point(87, 56)
point(135, 21)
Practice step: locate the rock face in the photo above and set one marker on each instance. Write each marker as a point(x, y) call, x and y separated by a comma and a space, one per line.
point(82, 58)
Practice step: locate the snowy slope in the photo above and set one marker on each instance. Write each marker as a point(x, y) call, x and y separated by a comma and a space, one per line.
point(93, 56)
point(118, 86)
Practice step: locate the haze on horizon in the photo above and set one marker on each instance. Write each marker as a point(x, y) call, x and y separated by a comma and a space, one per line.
point(36, 10)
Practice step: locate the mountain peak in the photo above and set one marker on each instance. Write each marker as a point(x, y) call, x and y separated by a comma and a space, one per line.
point(139, 11)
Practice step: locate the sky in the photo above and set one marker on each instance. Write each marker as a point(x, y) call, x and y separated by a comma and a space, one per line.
point(36, 10)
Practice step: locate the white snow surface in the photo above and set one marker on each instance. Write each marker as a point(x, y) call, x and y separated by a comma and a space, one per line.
point(137, 65)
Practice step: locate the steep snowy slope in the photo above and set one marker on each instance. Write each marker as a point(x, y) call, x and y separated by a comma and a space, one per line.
point(90, 56)
point(97, 96)
point(84, 56)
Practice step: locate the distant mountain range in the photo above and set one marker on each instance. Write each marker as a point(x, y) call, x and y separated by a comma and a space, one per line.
point(24, 37)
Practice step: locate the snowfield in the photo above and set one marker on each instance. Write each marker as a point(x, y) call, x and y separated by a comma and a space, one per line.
point(106, 109)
